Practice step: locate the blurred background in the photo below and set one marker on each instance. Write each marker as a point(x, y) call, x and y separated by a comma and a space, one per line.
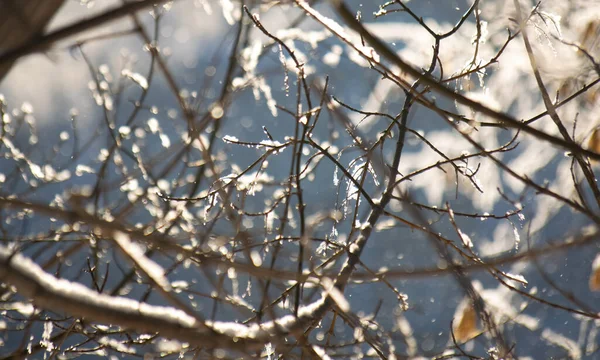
point(60, 94)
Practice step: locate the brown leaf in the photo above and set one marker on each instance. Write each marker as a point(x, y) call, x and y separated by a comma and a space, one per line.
point(465, 324)
point(595, 276)
point(594, 141)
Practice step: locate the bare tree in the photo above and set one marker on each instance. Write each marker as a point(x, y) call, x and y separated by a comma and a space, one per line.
point(324, 179)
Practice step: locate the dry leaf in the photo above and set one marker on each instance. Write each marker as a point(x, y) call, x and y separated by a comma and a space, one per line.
point(594, 141)
point(595, 276)
point(465, 322)
point(590, 34)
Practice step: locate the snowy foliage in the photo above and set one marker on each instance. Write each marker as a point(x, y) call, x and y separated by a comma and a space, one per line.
point(303, 179)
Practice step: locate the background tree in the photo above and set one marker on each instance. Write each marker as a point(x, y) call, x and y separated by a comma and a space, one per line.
point(302, 179)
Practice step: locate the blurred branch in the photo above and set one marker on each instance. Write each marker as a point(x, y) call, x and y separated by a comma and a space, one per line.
point(21, 21)
point(44, 42)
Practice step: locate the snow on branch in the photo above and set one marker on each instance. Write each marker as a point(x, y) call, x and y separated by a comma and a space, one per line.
point(61, 295)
